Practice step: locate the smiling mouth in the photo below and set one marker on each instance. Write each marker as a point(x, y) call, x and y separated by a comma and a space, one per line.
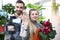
point(34, 17)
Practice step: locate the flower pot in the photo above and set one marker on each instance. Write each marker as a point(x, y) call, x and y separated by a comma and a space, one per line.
point(2, 32)
point(2, 29)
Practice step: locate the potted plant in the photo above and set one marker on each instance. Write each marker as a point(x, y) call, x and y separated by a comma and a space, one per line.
point(48, 32)
point(9, 8)
point(3, 21)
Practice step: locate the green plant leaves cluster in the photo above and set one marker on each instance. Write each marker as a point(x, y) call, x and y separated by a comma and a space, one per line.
point(9, 8)
point(3, 20)
point(38, 7)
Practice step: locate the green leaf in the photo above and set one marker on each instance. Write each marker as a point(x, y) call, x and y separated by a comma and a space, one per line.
point(41, 18)
point(8, 7)
point(52, 34)
point(38, 7)
point(3, 20)
point(44, 36)
point(30, 5)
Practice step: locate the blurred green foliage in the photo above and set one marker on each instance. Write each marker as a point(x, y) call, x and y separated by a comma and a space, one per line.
point(9, 8)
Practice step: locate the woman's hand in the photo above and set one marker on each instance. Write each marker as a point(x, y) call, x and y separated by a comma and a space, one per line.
point(25, 20)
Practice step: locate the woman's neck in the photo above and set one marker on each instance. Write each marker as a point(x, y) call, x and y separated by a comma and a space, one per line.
point(33, 21)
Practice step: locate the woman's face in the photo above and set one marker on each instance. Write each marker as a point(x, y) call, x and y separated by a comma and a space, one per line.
point(34, 15)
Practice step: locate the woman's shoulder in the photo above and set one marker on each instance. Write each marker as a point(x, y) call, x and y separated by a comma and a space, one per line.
point(40, 25)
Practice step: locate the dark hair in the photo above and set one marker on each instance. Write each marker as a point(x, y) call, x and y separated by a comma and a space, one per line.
point(19, 1)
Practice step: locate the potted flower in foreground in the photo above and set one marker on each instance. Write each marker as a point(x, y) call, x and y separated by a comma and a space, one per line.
point(47, 33)
point(3, 21)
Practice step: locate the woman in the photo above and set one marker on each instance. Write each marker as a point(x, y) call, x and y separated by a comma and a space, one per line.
point(34, 25)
